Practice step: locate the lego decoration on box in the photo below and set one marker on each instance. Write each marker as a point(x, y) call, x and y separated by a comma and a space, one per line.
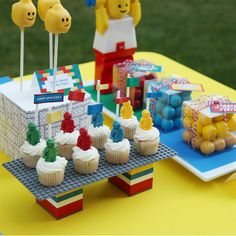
point(115, 37)
point(129, 77)
point(207, 131)
point(166, 107)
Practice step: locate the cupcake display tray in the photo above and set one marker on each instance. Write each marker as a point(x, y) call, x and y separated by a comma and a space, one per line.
point(28, 177)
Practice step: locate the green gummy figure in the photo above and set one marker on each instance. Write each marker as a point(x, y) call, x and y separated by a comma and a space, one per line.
point(50, 152)
point(33, 134)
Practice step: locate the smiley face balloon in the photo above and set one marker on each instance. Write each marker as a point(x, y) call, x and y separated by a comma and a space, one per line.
point(58, 20)
point(44, 6)
point(23, 13)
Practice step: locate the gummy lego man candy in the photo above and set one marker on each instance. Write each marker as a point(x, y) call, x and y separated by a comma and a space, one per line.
point(44, 6)
point(84, 141)
point(33, 134)
point(50, 152)
point(23, 14)
point(117, 133)
point(127, 111)
point(68, 125)
point(146, 120)
point(57, 20)
point(97, 120)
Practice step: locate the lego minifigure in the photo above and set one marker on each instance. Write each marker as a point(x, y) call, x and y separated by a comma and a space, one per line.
point(33, 134)
point(127, 110)
point(97, 120)
point(117, 133)
point(84, 141)
point(50, 152)
point(67, 124)
point(146, 120)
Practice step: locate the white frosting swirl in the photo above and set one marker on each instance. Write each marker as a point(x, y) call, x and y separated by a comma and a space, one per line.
point(49, 167)
point(88, 155)
point(129, 123)
point(31, 150)
point(122, 146)
point(67, 138)
point(143, 135)
point(99, 131)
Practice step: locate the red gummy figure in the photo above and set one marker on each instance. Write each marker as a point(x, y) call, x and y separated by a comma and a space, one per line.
point(84, 141)
point(68, 125)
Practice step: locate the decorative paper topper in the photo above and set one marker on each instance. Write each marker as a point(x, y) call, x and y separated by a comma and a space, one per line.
point(95, 109)
point(223, 108)
point(48, 98)
point(144, 66)
point(77, 96)
point(187, 87)
point(133, 82)
point(67, 78)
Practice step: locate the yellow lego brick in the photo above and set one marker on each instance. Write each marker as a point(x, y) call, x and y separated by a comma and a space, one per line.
point(54, 117)
point(71, 74)
point(140, 169)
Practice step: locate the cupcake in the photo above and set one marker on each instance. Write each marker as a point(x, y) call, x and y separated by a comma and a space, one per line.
point(85, 157)
point(51, 167)
point(117, 149)
point(33, 147)
point(98, 132)
point(128, 121)
point(146, 137)
point(66, 139)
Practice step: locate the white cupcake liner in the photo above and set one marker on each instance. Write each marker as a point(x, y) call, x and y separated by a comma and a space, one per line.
point(99, 142)
point(86, 167)
point(117, 157)
point(129, 132)
point(146, 148)
point(30, 161)
point(65, 150)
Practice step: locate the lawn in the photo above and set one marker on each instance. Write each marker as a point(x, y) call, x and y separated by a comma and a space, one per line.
point(200, 34)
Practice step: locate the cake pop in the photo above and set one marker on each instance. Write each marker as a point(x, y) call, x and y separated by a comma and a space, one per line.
point(44, 6)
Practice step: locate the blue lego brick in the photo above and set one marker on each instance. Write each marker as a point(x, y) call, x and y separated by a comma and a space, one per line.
point(5, 79)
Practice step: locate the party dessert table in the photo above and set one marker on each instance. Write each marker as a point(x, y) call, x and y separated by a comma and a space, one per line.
point(178, 199)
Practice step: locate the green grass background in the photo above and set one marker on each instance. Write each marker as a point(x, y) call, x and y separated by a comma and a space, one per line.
point(198, 33)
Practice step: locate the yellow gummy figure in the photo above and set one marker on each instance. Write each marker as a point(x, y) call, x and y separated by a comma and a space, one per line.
point(58, 20)
point(44, 6)
point(146, 120)
point(116, 9)
point(127, 110)
point(23, 13)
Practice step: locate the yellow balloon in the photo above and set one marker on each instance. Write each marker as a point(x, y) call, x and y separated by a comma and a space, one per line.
point(23, 13)
point(44, 6)
point(209, 132)
point(127, 110)
point(220, 144)
point(146, 120)
point(222, 130)
point(187, 136)
point(230, 140)
point(232, 124)
point(58, 20)
point(207, 147)
point(204, 120)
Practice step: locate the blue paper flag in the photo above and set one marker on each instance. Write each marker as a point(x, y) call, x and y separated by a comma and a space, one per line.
point(95, 109)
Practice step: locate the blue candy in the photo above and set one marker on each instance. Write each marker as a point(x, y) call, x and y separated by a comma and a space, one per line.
point(175, 100)
point(186, 96)
point(157, 120)
point(164, 98)
point(159, 107)
point(178, 123)
point(168, 112)
point(178, 112)
point(167, 124)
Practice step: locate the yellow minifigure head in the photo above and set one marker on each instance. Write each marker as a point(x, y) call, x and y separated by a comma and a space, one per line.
point(117, 9)
point(145, 114)
point(58, 20)
point(23, 13)
point(44, 6)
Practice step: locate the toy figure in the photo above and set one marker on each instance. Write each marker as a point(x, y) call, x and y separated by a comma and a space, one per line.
point(33, 134)
point(97, 120)
point(44, 6)
point(117, 133)
point(146, 120)
point(68, 125)
point(84, 141)
point(50, 152)
point(127, 110)
point(115, 38)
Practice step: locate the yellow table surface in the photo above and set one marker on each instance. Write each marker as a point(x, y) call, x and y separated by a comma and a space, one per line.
point(179, 202)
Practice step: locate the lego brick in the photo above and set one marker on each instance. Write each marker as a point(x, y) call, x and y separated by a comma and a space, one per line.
point(74, 180)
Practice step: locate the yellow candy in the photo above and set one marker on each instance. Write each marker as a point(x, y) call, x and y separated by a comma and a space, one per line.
point(23, 13)
point(230, 140)
point(187, 136)
point(146, 120)
point(197, 142)
point(198, 127)
point(44, 6)
point(218, 118)
point(187, 122)
point(207, 147)
point(222, 130)
point(220, 144)
point(204, 120)
point(209, 132)
point(57, 20)
point(232, 124)
point(187, 111)
point(229, 115)
point(127, 110)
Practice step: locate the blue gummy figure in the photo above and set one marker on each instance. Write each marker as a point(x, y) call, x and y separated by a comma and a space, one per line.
point(117, 133)
point(168, 112)
point(175, 100)
point(178, 123)
point(97, 120)
point(157, 120)
point(167, 124)
point(178, 112)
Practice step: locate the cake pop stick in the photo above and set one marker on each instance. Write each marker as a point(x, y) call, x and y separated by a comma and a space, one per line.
point(148, 99)
point(43, 7)
point(99, 88)
point(23, 15)
point(117, 105)
point(57, 21)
